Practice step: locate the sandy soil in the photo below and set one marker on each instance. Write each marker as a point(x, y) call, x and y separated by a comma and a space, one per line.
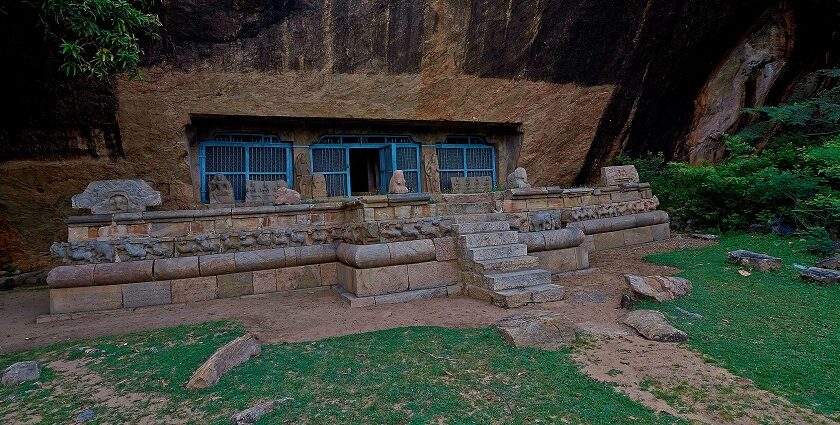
point(646, 371)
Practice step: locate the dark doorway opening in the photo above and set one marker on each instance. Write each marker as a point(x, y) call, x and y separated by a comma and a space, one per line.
point(364, 171)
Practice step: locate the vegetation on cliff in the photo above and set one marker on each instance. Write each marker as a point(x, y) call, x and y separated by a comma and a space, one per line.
point(782, 170)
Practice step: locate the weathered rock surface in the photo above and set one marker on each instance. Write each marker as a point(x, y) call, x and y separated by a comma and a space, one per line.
point(705, 236)
point(659, 288)
point(821, 276)
point(114, 196)
point(537, 329)
point(224, 359)
point(759, 261)
point(252, 414)
point(619, 175)
point(21, 372)
point(286, 196)
point(652, 325)
point(829, 263)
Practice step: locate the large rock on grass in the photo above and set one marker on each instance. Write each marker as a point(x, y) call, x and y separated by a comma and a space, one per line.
point(659, 288)
point(224, 359)
point(758, 261)
point(829, 263)
point(21, 372)
point(652, 325)
point(821, 276)
point(252, 414)
point(537, 329)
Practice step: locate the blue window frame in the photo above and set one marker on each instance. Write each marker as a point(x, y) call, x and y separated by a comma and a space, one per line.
point(465, 156)
point(331, 157)
point(243, 157)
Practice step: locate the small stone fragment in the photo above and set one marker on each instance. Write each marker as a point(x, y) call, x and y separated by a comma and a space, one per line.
point(224, 359)
point(705, 236)
point(652, 325)
point(659, 288)
point(518, 179)
point(829, 263)
point(759, 261)
point(21, 372)
point(286, 196)
point(85, 416)
point(628, 301)
point(537, 329)
point(821, 276)
point(252, 414)
point(689, 314)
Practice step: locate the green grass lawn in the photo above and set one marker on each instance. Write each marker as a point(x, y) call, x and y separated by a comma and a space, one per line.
point(774, 328)
point(406, 375)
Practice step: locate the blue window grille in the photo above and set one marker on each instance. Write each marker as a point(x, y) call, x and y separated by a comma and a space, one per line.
point(465, 156)
point(243, 157)
point(331, 157)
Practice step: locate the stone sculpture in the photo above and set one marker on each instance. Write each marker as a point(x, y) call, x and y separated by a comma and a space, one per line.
point(397, 183)
point(303, 180)
point(219, 190)
point(116, 196)
point(319, 186)
point(262, 192)
point(518, 179)
point(476, 184)
point(432, 169)
point(286, 196)
point(619, 175)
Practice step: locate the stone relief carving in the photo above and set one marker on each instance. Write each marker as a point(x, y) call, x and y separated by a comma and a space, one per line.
point(319, 186)
point(542, 221)
point(219, 190)
point(472, 184)
point(286, 196)
point(303, 179)
point(116, 196)
point(591, 212)
point(262, 192)
point(618, 175)
point(397, 183)
point(518, 179)
point(432, 170)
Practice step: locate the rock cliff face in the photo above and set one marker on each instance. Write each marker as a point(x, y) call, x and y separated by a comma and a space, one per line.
point(587, 79)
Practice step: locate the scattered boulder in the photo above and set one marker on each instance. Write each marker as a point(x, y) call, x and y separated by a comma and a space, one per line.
point(761, 262)
point(705, 236)
point(224, 359)
point(691, 315)
point(21, 372)
point(821, 276)
point(829, 263)
point(652, 325)
point(659, 288)
point(251, 414)
point(537, 329)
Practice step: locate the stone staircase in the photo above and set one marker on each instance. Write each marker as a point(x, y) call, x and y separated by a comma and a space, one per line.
point(497, 268)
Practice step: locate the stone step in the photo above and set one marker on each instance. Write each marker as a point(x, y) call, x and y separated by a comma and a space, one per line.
point(481, 227)
point(500, 281)
point(495, 252)
point(518, 297)
point(506, 264)
point(478, 240)
point(470, 208)
point(476, 218)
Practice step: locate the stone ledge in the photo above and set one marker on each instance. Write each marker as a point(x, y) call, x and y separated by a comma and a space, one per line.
point(611, 224)
point(552, 239)
point(399, 297)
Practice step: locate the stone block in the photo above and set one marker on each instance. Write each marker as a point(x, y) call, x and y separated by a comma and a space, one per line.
point(265, 281)
point(147, 293)
point(432, 274)
point(352, 300)
point(454, 290)
point(383, 213)
point(402, 212)
point(261, 259)
point(176, 268)
point(194, 289)
point(618, 175)
point(364, 256)
point(291, 256)
point(70, 276)
point(316, 254)
point(216, 264)
point(329, 274)
point(299, 277)
point(169, 229)
point(661, 231)
point(90, 298)
point(411, 251)
point(536, 204)
point(559, 260)
point(608, 240)
point(235, 284)
point(445, 249)
point(563, 238)
point(377, 281)
point(123, 272)
point(406, 296)
point(116, 196)
point(637, 236)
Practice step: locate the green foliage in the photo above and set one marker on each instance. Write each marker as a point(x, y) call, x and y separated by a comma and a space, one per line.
point(775, 171)
point(771, 327)
point(818, 241)
point(99, 38)
point(408, 375)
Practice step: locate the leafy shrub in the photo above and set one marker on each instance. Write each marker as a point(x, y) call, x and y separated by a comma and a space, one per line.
point(784, 168)
point(818, 241)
